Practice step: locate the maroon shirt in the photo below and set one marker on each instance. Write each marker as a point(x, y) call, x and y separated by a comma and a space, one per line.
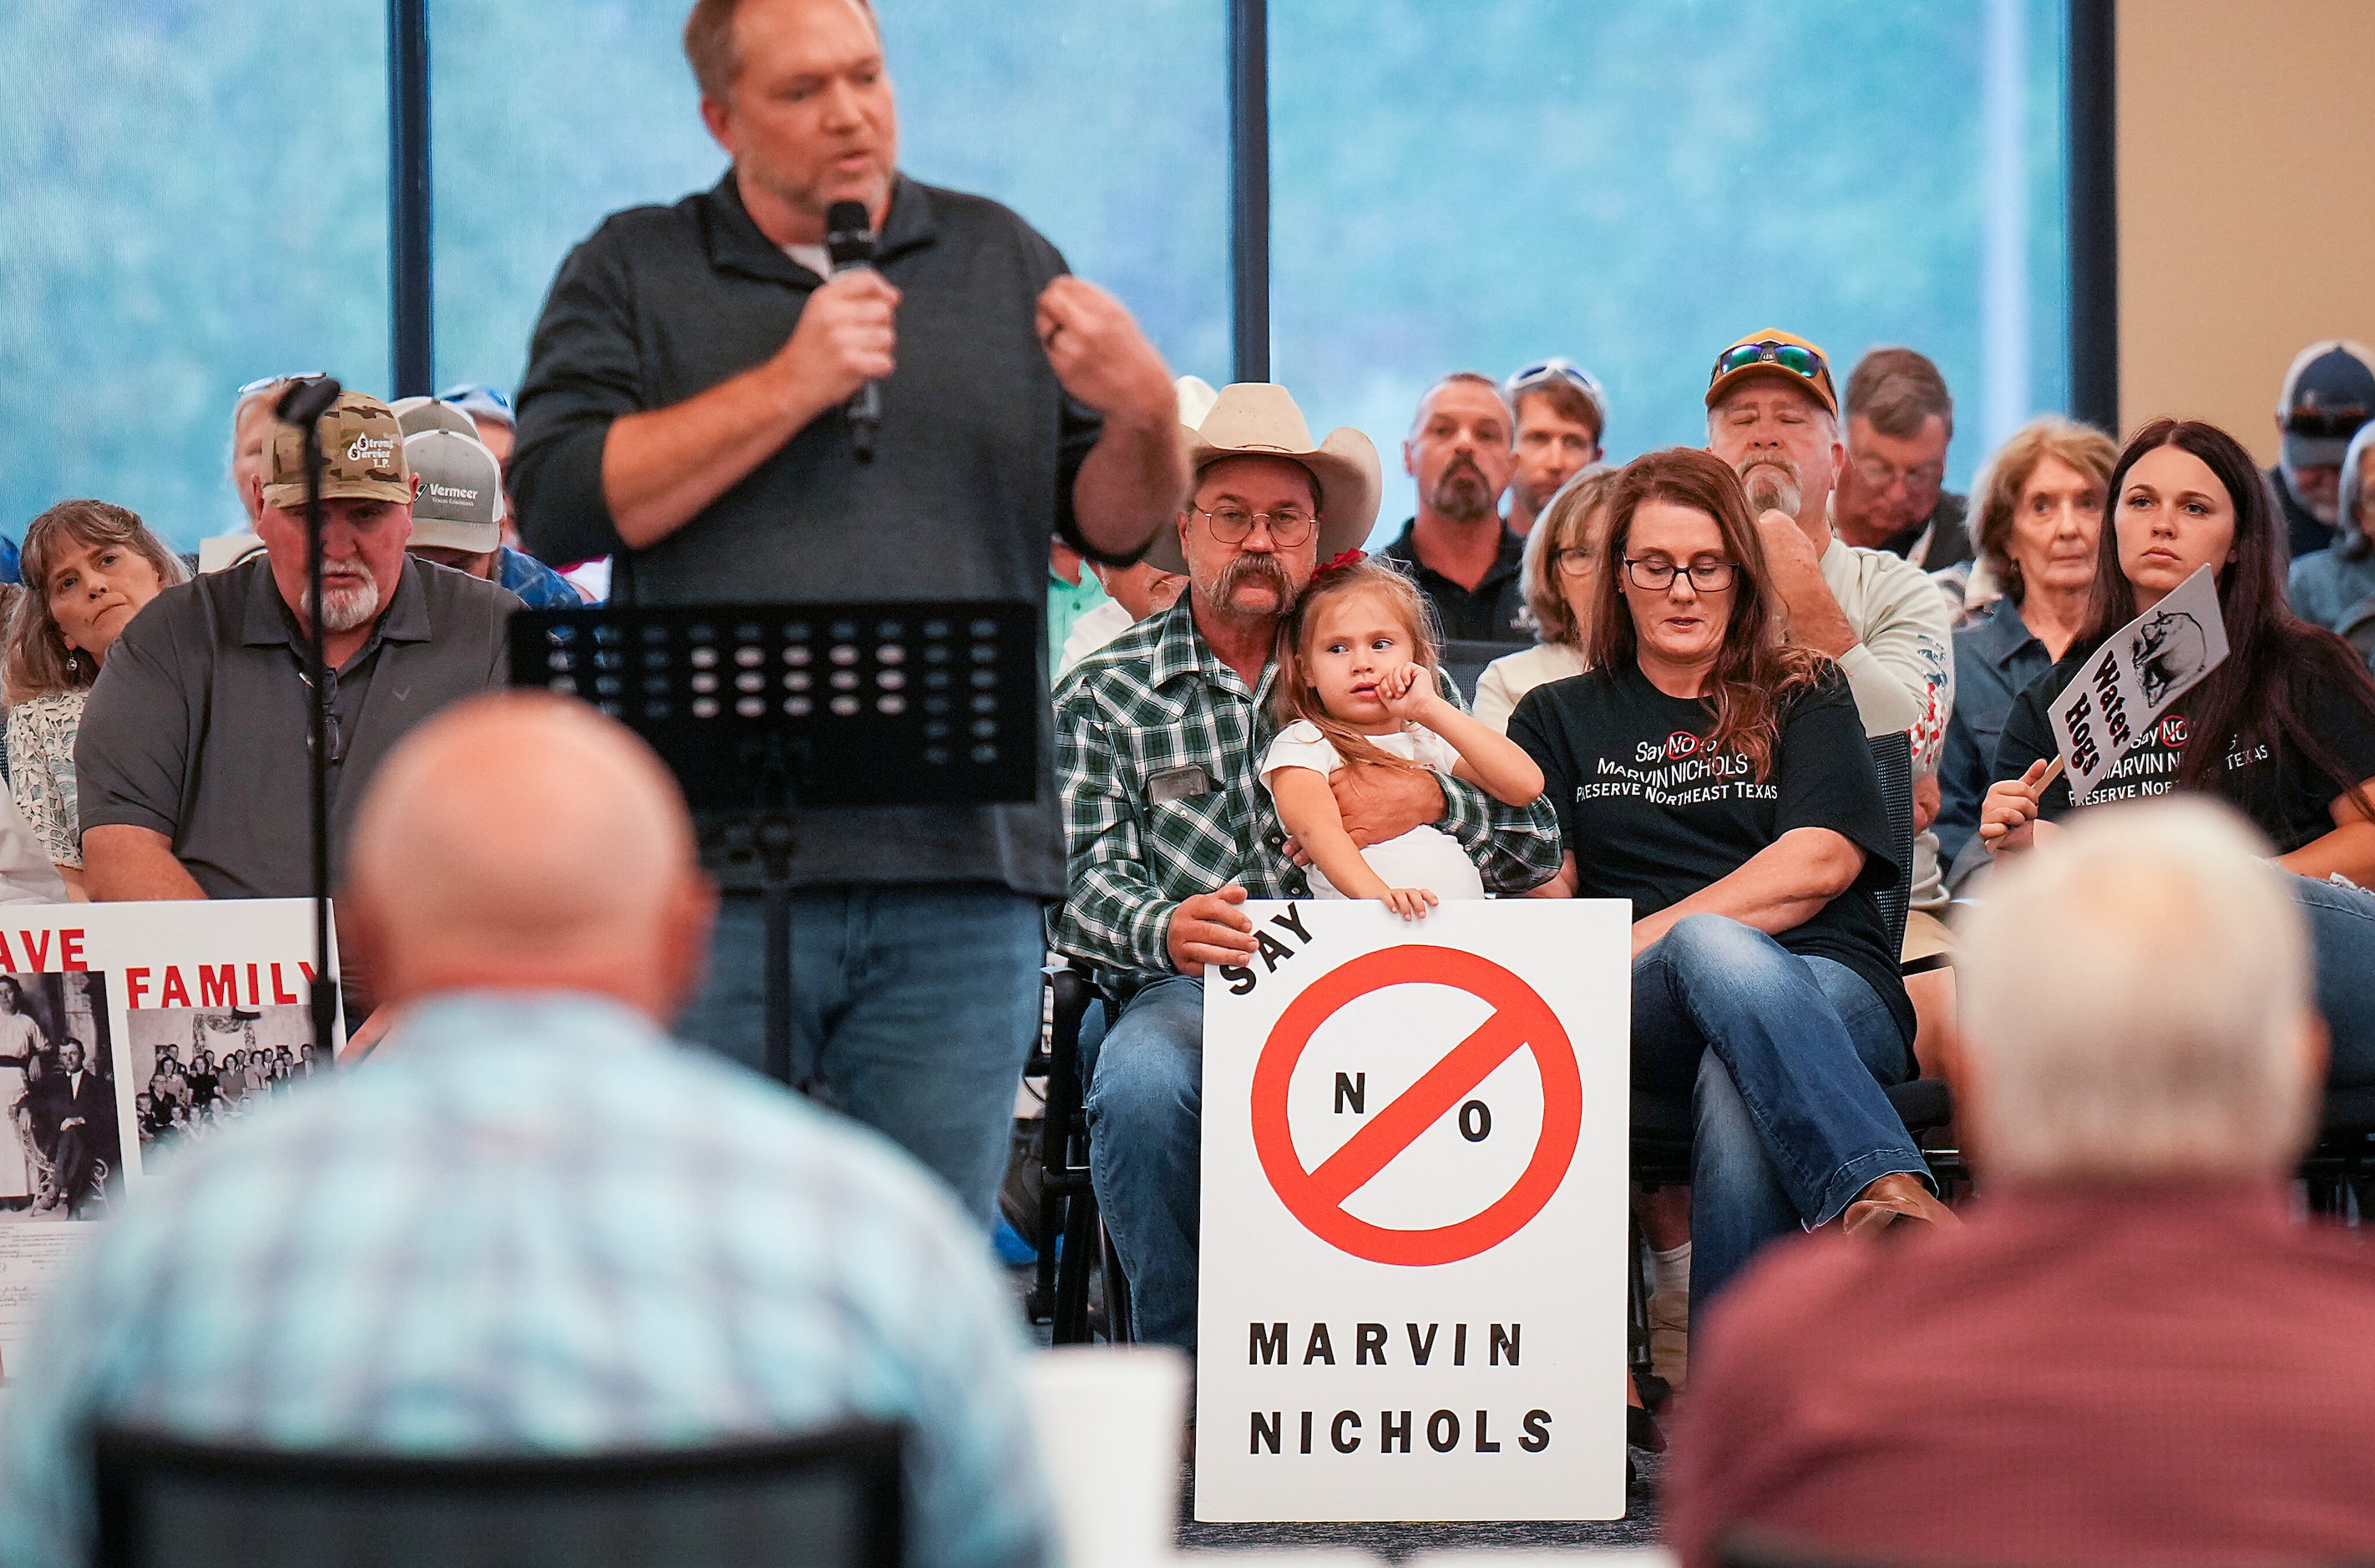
point(2138, 1376)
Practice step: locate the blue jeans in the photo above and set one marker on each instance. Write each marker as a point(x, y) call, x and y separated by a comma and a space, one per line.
point(915, 1006)
point(2342, 935)
point(1145, 1103)
point(1784, 1058)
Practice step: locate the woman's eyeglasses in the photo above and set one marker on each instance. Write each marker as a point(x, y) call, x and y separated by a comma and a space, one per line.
point(1575, 562)
point(1656, 576)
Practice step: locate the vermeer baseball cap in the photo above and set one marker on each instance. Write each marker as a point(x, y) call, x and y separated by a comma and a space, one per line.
point(460, 506)
point(362, 455)
point(414, 415)
point(1774, 352)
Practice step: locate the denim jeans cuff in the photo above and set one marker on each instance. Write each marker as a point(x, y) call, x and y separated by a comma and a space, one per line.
point(1861, 1172)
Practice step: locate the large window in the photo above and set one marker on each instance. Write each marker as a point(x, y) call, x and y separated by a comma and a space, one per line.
point(195, 195)
point(191, 195)
point(1632, 186)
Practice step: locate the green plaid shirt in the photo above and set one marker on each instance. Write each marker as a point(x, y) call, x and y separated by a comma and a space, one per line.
point(1156, 699)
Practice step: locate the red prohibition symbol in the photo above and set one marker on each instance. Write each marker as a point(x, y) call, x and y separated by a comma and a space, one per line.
point(1520, 1020)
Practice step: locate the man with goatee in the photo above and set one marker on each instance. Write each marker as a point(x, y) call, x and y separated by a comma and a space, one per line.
point(1463, 449)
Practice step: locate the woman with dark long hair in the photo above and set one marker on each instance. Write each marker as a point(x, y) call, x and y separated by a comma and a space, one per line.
point(1718, 777)
point(2283, 730)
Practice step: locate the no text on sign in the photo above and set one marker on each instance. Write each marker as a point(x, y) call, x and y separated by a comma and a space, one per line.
point(1520, 1020)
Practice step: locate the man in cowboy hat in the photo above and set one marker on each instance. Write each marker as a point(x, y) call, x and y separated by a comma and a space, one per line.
point(1157, 735)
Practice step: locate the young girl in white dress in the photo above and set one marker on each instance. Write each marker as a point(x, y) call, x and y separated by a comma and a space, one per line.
point(1357, 683)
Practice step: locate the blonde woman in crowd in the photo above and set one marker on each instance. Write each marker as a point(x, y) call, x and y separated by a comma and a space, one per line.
point(1559, 582)
point(89, 569)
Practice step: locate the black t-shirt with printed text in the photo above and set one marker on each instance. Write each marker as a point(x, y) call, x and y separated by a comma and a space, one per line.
point(1652, 816)
point(2272, 784)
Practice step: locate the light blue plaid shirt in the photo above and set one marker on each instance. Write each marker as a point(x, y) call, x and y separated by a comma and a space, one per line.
point(533, 1223)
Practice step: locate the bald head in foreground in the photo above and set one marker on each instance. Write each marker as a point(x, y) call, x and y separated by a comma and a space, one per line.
point(525, 843)
point(531, 1222)
point(2134, 1352)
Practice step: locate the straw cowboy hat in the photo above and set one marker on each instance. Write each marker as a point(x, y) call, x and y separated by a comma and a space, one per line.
point(1256, 418)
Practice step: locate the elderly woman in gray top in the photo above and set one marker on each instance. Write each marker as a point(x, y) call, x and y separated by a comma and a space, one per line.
point(2039, 509)
point(2336, 588)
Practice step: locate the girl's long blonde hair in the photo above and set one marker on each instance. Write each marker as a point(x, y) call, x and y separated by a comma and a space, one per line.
point(1293, 697)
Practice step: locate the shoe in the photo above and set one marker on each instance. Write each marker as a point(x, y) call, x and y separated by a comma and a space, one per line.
point(1670, 1336)
point(1893, 1199)
point(1641, 1429)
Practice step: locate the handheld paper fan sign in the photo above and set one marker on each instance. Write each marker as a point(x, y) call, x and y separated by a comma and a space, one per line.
point(2112, 704)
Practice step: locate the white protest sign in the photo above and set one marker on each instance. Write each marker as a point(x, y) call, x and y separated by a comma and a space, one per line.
point(122, 1025)
point(2110, 704)
point(1414, 1232)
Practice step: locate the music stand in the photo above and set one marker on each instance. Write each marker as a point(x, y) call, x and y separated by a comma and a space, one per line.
point(762, 710)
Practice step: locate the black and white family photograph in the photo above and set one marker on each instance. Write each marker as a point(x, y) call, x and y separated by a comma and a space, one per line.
point(61, 1159)
point(195, 1069)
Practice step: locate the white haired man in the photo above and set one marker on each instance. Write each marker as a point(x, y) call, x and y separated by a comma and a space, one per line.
point(1773, 414)
point(2133, 1352)
point(531, 1222)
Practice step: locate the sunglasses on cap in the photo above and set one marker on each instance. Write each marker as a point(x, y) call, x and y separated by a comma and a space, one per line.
point(2339, 422)
point(264, 383)
point(1535, 375)
point(1795, 358)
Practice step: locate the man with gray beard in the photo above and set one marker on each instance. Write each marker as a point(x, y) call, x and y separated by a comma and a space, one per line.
point(1463, 449)
point(193, 759)
point(1773, 414)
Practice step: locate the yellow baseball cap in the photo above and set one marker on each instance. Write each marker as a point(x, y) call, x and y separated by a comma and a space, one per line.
point(1774, 352)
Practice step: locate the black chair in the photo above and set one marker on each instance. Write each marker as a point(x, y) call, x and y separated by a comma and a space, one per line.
point(1075, 1256)
point(827, 1500)
point(1749, 1547)
point(2338, 1172)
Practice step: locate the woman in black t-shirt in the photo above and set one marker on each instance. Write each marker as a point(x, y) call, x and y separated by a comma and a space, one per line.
point(2284, 731)
point(1720, 780)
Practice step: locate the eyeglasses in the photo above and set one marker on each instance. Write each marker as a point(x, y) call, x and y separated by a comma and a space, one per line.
point(1573, 563)
point(1289, 527)
point(2338, 423)
point(329, 701)
point(1544, 370)
point(1656, 576)
point(266, 383)
point(1882, 474)
point(1792, 356)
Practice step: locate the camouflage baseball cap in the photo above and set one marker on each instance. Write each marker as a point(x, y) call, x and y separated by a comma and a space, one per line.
point(362, 455)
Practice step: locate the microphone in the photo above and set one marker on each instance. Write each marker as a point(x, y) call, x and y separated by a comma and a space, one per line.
point(849, 240)
point(306, 401)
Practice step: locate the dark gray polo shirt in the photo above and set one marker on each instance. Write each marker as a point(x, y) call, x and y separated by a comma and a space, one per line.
point(974, 471)
point(196, 727)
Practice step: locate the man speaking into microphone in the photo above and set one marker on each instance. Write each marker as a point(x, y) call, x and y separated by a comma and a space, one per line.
point(685, 411)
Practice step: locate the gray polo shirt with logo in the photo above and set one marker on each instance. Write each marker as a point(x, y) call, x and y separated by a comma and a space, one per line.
point(977, 456)
point(197, 726)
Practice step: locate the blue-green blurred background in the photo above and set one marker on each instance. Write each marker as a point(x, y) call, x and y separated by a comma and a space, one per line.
point(193, 193)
